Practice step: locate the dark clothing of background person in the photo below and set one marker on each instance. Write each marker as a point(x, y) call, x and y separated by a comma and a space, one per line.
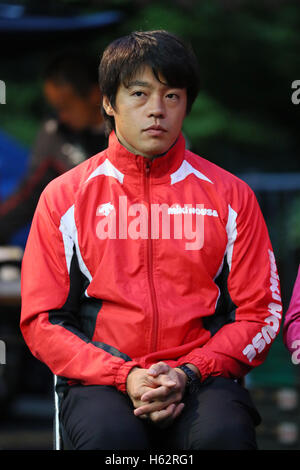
point(57, 149)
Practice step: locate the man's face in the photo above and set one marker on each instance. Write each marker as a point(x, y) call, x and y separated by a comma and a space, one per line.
point(148, 114)
point(75, 111)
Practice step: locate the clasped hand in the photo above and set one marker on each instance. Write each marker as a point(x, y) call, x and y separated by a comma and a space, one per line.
point(157, 392)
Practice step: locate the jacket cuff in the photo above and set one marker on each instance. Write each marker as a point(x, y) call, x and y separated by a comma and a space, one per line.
point(122, 374)
point(204, 366)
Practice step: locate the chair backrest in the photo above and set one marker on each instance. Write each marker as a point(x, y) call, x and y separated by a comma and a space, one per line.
point(57, 439)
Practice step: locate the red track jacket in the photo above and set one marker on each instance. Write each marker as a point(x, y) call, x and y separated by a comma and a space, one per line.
point(130, 262)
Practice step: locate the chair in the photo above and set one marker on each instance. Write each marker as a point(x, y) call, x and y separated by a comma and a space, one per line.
point(57, 438)
point(60, 439)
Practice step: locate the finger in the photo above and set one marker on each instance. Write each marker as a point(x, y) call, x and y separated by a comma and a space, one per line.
point(171, 412)
point(159, 368)
point(163, 414)
point(166, 380)
point(162, 380)
point(157, 405)
point(150, 408)
point(160, 394)
point(165, 418)
point(178, 410)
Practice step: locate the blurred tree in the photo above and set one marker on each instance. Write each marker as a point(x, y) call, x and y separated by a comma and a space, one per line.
point(244, 118)
point(248, 52)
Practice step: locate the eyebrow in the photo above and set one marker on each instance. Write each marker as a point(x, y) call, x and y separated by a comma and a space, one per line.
point(138, 83)
point(142, 83)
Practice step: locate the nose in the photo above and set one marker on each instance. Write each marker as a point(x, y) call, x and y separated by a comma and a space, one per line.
point(156, 107)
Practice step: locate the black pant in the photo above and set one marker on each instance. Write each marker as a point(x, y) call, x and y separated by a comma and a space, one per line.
point(220, 415)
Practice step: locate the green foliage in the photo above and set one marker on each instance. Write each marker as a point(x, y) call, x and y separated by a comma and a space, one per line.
point(210, 119)
point(249, 57)
point(20, 118)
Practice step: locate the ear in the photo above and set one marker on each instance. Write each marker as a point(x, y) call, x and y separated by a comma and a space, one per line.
point(107, 106)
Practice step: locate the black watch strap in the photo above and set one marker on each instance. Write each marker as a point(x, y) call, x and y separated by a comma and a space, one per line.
point(193, 381)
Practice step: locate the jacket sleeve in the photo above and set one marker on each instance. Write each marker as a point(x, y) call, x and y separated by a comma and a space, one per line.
point(18, 209)
point(291, 326)
point(50, 300)
point(254, 292)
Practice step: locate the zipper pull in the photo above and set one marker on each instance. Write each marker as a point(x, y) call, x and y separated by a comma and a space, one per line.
point(148, 166)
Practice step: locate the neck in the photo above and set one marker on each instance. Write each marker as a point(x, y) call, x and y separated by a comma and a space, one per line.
point(135, 152)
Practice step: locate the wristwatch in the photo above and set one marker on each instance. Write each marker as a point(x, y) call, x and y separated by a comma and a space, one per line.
point(193, 381)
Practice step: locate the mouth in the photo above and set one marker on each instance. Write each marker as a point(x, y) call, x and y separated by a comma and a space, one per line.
point(155, 130)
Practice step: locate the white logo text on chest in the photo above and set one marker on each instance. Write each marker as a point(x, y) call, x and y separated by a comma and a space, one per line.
point(143, 221)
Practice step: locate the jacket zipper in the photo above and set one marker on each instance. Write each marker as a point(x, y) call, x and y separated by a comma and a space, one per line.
point(150, 264)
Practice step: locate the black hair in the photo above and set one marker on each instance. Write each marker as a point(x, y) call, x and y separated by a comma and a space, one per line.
point(166, 54)
point(73, 68)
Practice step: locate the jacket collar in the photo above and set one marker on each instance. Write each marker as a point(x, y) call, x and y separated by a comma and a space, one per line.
point(135, 165)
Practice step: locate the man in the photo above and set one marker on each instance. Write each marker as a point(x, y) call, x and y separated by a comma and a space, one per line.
point(146, 277)
point(76, 133)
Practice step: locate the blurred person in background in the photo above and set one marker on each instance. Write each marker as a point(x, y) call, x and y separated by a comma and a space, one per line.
point(73, 135)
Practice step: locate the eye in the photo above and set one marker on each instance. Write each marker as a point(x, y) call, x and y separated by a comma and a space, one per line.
point(138, 93)
point(173, 96)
